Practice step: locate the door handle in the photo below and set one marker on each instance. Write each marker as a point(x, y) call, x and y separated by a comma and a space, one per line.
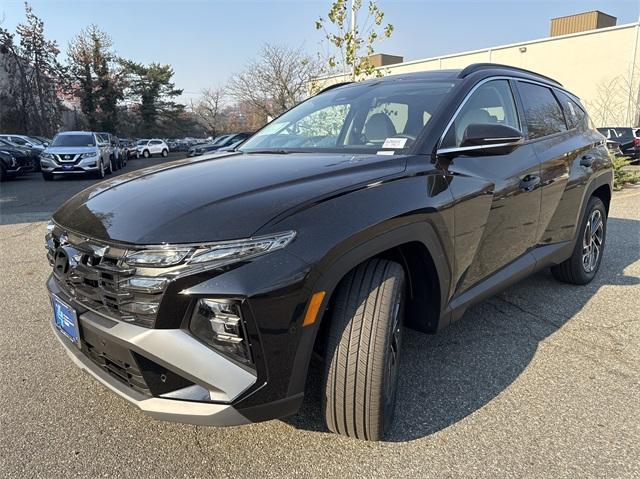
point(529, 182)
point(587, 160)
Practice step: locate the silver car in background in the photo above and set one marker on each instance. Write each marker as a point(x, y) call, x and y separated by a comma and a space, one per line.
point(75, 152)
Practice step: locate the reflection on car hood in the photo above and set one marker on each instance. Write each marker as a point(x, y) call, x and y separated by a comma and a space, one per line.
point(215, 198)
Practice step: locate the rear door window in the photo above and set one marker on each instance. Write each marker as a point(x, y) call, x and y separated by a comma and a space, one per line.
point(542, 112)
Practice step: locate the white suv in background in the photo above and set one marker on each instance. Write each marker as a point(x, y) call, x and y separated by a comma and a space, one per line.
point(147, 148)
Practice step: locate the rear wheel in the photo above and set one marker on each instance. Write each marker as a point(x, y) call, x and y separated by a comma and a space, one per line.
point(363, 351)
point(585, 261)
point(165, 153)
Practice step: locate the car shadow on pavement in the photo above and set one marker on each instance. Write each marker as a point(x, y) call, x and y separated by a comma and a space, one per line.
point(448, 376)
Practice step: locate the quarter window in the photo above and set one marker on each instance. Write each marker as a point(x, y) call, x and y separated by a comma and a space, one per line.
point(541, 110)
point(492, 102)
point(574, 114)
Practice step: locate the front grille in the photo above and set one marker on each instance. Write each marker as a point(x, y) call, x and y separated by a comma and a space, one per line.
point(95, 276)
point(67, 158)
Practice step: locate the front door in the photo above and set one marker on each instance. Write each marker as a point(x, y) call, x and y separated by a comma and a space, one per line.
point(497, 197)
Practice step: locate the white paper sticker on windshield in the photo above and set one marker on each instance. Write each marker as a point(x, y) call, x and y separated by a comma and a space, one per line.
point(394, 143)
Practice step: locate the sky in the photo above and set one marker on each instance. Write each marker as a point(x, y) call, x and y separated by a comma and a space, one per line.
point(207, 41)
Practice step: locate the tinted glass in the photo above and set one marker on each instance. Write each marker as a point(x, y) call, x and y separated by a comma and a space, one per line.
point(359, 117)
point(541, 110)
point(73, 140)
point(492, 102)
point(18, 141)
point(573, 113)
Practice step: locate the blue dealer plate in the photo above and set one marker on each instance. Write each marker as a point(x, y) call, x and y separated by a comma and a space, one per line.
point(65, 319)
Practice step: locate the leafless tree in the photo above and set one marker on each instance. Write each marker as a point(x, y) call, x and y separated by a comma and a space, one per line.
point(617, 100)
point(209, 109)
point(276, 80)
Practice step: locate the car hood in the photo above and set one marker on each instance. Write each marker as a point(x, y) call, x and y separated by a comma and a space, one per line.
point(16, 150)
point(72, 150)
point(215, 198)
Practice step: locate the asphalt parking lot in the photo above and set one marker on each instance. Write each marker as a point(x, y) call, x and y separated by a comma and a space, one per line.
point(542, 380)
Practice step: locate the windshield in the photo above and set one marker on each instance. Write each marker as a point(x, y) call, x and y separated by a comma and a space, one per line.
point(74, 140)
point(362, 117)
point(219, 140)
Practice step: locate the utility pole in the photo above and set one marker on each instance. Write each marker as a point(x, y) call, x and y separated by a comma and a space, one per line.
point(353, 39)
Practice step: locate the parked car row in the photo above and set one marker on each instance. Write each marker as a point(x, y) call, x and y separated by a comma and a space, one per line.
point(19, 154)
point(220, 143)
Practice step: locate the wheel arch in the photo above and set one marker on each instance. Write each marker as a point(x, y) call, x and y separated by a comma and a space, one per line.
point(418, 249)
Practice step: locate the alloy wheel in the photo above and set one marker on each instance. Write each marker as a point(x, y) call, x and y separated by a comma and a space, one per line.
point(592, 241)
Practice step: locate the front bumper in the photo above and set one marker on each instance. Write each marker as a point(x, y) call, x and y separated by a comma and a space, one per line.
point(174, 349)
point(86, 165)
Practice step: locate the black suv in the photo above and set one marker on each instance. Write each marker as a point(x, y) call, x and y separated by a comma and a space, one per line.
point(365, 212)
point(628, 141)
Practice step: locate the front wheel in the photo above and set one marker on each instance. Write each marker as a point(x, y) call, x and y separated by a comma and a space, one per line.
point(101, 171)
point(363, 351)
point(146, 153)
point(585, 260)
point(47, 176)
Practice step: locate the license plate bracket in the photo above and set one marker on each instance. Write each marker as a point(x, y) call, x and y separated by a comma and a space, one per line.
point(65, 319)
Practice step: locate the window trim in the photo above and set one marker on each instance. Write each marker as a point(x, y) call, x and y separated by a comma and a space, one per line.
point(518, 104)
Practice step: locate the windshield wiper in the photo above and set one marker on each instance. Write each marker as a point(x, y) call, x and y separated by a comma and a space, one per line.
point(262, 152)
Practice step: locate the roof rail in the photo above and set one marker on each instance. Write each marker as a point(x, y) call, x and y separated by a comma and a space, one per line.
point(474, 67)
point(335, 85)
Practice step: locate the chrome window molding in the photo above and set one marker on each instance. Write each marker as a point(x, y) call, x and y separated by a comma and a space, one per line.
point(478, 85)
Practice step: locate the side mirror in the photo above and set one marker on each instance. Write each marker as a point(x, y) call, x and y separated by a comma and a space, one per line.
point(481, 139)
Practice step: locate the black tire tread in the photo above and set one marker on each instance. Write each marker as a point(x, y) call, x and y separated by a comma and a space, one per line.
point(354, 370)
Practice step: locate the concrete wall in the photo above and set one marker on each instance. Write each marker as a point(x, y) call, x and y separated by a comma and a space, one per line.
point(585, 63)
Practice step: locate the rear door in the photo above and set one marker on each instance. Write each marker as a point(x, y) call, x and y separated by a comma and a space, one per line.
point(497, 226)
point(558, 129)
point(155, 146)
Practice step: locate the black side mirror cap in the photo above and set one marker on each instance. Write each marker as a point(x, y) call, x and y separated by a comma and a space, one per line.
point(481, 139)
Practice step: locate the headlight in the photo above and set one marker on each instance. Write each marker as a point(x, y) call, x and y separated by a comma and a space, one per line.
point(157, 258)
point(88, 155)
point(46, 156)
point(243, 249)
point(213, 255)
point(219, 324)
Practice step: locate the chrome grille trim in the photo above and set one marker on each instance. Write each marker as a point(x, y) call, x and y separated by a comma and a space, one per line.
point(96, 275)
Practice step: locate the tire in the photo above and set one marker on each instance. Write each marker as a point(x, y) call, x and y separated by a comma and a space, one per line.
point(165, 153)
point(3, 174)
point(580, 268)
point(47, 176)
point(100, 174)
point(363, 348)
point(146, 153)
point(109, 168)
